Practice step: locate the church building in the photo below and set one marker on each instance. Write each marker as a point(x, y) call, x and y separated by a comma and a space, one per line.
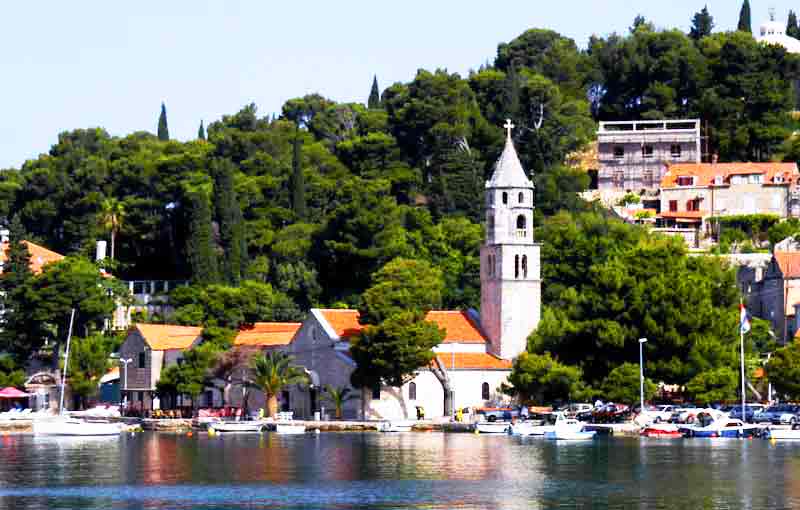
point(478, 349)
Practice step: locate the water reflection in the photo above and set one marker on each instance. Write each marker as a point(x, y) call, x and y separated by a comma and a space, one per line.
point(373, 470)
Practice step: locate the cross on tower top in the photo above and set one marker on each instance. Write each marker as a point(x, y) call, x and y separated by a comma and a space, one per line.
point(508, 127)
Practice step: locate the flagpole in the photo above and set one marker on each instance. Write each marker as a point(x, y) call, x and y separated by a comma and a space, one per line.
point(741, 339)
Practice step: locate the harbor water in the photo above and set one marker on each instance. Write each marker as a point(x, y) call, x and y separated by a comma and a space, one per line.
point(394, 471)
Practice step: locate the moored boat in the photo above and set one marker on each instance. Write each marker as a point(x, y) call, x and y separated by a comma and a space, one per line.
point(537, 427)
point(395, 426)
point(63, 426)
point(290, 428)
point(721, 427)
point(492, 427)
point(237, 426)
point(661, 430)
point(570, 430)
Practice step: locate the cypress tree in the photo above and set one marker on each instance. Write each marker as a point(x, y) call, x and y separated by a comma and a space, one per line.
point(200, 245)
point(374, 100)
point(201, 133)
point(744, 18)
point(163, 130)
point(702, 24)
point(231, 223)
point(19, 332)
point(298, 181)
point(792, 28)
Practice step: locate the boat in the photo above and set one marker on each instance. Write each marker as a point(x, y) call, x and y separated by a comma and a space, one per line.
point(64, 425)
point(537, 427)
point(570, 430)
point(661, 430)
point(395, 426)
point(720, 426)
point(290, 428)
point(493, 427)
point(236, 426)
point(782, 434)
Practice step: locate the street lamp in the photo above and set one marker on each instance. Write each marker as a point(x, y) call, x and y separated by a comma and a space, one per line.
point(641, 373)
point(125, 362)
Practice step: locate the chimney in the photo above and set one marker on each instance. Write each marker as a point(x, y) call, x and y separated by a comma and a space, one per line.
point(101, 251)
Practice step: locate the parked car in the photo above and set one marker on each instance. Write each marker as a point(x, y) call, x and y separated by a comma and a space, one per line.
point(780, 414)
point(659, 413)
point(610, 413)
point(576, 409)
point(751, 412)
point(493, 414)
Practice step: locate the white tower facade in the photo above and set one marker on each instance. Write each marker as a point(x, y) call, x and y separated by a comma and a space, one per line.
point(511, 279)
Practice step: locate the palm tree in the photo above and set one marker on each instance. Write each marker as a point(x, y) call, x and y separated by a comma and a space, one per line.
point(271, 373)
point(337, 397)
point(112, 216)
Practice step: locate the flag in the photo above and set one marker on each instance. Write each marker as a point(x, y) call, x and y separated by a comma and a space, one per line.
point(744, 320)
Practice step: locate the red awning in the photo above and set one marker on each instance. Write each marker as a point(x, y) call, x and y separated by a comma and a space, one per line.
point(11, 392)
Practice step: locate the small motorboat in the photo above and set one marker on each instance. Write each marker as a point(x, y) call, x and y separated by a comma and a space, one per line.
point(570, 430)
point(64, 426)
point(493, 427)
point(720, 426)
point(237, 426)
point(537, 427)
point(290, 428)
point(782, 434)
point(395, 426)
point(661, 430)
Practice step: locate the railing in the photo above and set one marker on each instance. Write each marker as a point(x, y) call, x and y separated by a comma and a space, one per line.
point(522, 233)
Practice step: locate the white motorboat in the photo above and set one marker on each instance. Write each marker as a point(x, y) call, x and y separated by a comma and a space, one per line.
point(492, 427)
point(290, 428)
point(717, 424)
point(236, 426)
point(395, 426)
point(782, 434)
point(570, 430)
point(63, 426)
point(537, 427)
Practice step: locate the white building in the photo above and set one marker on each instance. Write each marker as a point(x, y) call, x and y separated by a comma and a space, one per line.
point(774, 32)
point(478, 350)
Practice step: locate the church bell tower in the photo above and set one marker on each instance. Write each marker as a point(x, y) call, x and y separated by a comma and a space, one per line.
point(510, 260)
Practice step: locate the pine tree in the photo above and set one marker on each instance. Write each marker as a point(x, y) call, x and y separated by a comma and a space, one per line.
point(231, 223)
point(298, 181)
point(512, 89)
point(200, 245)
point(744, 18)
point(374, 100)
point(163, 130)
point(792, 27)
point(19, 332)
point(702, 24)
point(201, 133)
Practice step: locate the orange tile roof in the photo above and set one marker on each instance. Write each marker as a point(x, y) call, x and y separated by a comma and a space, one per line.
point(266, 334)
point(473, 361)
point(684, 214)
point(458, 325)
point(706, 172)
point(789, 263)
point(40, 256)
point(164, 337)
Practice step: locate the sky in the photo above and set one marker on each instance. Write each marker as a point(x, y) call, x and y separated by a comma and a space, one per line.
point(88, 63)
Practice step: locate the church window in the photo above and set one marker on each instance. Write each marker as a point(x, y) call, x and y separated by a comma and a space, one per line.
point(524, 266)
point(521, 226)
point(491, 226)
point(412, 391)
point(521, 197)
point(485, 391)
point(516, 266)
point(376, 393)
point(505, 197)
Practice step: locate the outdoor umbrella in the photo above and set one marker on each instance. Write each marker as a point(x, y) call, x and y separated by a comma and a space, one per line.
point(12, 392)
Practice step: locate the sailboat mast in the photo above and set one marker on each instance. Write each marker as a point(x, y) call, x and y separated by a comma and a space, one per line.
point(66, 363)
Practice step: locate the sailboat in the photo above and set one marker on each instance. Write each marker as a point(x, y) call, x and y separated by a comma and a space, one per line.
point(63, 425)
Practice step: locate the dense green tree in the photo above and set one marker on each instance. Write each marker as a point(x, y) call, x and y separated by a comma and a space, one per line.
point(192, 375)
point(298, 182)
point(402, 285)
point(543, 380)
point(702, 24)
point(640, 24)
point(201, 247)
point(720, 384)
point(11, 374)
point(374, 100)
point(783, 371)
point(201, 131)
point(745, 25)
point(89, 360)
point(163, 129)
point(231, 224)
point(622, 385)
point(20, 332)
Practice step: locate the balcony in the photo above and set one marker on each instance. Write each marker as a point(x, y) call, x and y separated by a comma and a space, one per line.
point(522, 233)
